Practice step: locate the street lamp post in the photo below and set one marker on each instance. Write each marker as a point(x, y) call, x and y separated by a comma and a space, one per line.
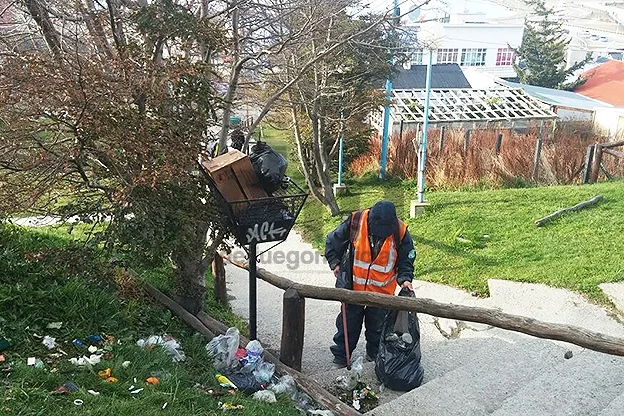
point(430, 37)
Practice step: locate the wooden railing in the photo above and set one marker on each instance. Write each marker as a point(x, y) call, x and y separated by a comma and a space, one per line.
point(293, 321)
point(593, 160)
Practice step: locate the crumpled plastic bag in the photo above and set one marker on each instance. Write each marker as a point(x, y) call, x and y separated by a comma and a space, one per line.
point(286, 384)
point(350, 380)
point(222, 350)
point(321, 412)
point(84, 360)
point(253, 356)
point(265, 396)
point(264, 371)
point(169, 344)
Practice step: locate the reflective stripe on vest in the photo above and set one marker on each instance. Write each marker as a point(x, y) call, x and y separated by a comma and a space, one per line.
point(361, 281)
point(389, 267)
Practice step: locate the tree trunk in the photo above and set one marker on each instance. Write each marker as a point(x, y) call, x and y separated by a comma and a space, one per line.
point(191, 271)
point(41, 16)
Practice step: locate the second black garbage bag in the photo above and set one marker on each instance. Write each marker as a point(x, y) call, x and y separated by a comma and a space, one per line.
point(269, 165)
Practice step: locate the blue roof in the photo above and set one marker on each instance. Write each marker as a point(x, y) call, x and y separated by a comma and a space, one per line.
point(558, 98)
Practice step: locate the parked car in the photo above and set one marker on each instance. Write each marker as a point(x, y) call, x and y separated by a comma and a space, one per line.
point(595, 37)
point(604, 39)
point(584, 34)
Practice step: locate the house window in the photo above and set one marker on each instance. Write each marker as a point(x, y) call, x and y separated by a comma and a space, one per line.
point(417, 57)
point(447, 56)
point(473, 57)
point(505, 57)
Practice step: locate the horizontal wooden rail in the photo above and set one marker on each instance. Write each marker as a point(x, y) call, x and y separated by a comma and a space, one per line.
point(612, 144)
point(568, 333)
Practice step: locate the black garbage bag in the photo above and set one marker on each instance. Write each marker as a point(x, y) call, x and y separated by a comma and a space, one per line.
point(398, 362)
point(245, 382)
point(269, 165)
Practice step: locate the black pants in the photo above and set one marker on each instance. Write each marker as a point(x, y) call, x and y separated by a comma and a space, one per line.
point(372, 318)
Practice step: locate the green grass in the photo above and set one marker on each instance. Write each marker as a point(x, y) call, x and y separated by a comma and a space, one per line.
point(467, 237)
point(44, 278)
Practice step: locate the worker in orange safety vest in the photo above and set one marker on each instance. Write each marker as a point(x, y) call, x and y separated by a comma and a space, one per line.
point(370, 251)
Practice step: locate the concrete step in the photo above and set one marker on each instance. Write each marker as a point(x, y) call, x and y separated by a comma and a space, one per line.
point(583, 385)
point(438, 359)
point(615, 408)
point(481, 385)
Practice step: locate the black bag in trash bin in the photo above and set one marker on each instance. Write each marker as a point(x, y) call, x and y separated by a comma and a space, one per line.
point(398, 362)
point(269, 165)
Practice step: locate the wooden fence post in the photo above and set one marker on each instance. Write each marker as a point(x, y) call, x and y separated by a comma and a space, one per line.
point(401, 130)
point(218, 276)
point(466, 141)
point(595, 169)
point(499, 142)
point(293, 326)
point(589, 159)
point(441, 140)
point(538, 154)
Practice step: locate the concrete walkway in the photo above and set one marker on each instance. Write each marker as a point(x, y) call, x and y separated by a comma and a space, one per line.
point(292, 260)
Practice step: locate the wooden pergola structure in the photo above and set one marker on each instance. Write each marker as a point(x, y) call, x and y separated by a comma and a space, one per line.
point(468, 108)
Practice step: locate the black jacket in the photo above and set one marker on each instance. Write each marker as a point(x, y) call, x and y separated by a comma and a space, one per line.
point(337, 243)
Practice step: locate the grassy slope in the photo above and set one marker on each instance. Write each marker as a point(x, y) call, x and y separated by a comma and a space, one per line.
point(578, 251)
point(44, 279)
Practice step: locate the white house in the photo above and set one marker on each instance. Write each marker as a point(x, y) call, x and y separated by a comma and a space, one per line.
point(469, 41)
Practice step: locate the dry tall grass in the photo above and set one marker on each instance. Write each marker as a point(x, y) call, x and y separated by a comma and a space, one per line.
point(561, 162)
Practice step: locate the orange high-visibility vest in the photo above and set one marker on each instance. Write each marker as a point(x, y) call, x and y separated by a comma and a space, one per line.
point(378, 274)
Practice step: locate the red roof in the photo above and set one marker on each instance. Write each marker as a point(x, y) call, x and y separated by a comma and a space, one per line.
point(605, 83)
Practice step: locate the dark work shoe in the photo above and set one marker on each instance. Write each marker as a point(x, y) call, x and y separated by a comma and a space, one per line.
point(369, 359)
point(337, 364)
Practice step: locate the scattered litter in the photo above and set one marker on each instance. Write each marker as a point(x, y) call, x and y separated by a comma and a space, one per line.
point(224, 381)
point(169, 344)
point(84, 360)
point(264, 371)
point(137, 391)
point(77, 343)
point(134, 380)
point(321, 412)
point(152, 380)
point(2, 359)
point(126, 364)
point(31, 360)
point(92, 349)
point(231, 406)
point(54, 325)
point(164, 406)
point(352, 377)
point(49, 342)
point(286, 384)
point(67, 387)
point(245, 382)
point(131, 387)
point(93, 392)
point(94, 339)
point(356, 404)
point(252, 356)
point(568, 354)
point(265, 396)
point(112, 380)
point(78, 402)
point(104, 373)
point(222, 349)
